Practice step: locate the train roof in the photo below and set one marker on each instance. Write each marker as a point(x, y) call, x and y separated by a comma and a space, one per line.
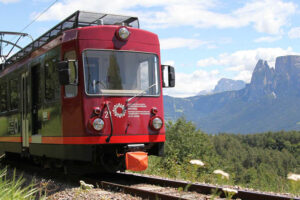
point(77, 19)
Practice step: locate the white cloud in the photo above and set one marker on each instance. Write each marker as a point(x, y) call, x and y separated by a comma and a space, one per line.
point(8, 1)
point(244, 75)
point(192, 84)
point(212, 46)
point(239, 63)
point(215, 72)
point(264, 15)
point(267, 15)
point(267, 39)
point(208, 62)
point(172, 43)
point(294, 33)
point(169, 62)
point(243, 62)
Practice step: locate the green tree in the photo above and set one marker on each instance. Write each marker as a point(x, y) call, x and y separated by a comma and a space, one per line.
point(260, 161)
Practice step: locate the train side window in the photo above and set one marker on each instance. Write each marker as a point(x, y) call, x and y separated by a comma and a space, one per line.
point(3, 96)
point(14, 93)
point(51, 80)
point(71, 90)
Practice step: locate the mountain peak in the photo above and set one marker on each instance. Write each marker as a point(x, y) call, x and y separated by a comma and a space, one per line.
point(261, 81)
point(262, 74)
point(260, 68)
point(271, 102)
point(225, 84)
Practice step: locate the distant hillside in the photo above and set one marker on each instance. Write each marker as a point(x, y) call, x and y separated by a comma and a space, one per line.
point(271, 102)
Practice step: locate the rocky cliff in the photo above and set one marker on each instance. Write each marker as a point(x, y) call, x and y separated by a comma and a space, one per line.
point(270, 102)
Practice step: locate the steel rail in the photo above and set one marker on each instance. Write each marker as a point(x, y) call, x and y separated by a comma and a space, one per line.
point(111, 181)
point(145, 194)
point(205, 188)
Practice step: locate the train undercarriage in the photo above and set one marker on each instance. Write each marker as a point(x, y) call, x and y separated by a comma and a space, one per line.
point(87, 158)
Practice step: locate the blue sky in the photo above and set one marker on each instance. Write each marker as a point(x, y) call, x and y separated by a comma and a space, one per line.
point(204, 39)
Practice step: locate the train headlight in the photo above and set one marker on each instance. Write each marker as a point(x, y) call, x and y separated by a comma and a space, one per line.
point(97, 110)
point(156, 123)
point(122, 33)
point(98, 124)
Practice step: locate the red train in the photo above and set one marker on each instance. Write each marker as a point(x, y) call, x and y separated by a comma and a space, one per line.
point(88, 90)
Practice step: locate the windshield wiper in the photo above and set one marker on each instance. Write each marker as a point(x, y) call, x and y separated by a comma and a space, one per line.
point(141, 93)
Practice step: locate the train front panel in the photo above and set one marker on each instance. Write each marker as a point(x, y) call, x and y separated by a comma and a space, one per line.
point(118, 90)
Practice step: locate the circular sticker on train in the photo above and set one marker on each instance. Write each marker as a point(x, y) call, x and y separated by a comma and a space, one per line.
point(119, 110)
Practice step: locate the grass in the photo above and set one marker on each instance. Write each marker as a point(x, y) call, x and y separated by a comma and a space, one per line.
point(14, 188)
point(194, 173)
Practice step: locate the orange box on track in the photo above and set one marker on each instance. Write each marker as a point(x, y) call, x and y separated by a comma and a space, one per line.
point(136, 161)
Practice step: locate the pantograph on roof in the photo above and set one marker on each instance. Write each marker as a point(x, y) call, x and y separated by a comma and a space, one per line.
point(77, 19)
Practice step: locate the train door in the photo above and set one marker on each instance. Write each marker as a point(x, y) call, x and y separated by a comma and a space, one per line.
point(24, 114)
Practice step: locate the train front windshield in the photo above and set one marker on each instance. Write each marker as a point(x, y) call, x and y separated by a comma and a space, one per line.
point(121, 73)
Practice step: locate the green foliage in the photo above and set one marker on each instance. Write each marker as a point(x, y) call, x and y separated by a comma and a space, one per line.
point(15, 189)
point(184, 143)
point(260, 161)
point(294, 186)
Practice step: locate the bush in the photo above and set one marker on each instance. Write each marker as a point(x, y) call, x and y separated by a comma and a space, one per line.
point(260, 161)
point(15, 189)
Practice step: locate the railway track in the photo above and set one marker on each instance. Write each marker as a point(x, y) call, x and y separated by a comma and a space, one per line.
point(131, 184)
point(127, 183)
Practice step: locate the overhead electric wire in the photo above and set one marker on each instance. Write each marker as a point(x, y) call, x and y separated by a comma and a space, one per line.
point(35, 19)
point(39, 15)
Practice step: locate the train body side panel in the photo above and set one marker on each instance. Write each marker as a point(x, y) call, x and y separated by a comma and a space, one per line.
point(48, 118)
